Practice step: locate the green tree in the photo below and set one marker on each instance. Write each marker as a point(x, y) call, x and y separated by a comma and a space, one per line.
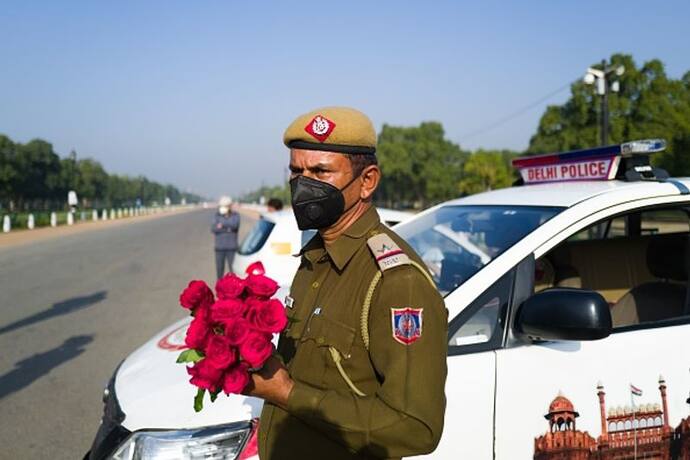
point(8, 171)
point(92, 183)
point(486, 170)
point(420, 166)
point(38, 173)
point(649, 105)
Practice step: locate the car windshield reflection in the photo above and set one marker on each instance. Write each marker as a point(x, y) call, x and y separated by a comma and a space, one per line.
point(456, 242)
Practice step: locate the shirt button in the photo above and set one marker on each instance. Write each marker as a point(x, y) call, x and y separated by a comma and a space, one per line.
point(320, 340)
point(315, 284)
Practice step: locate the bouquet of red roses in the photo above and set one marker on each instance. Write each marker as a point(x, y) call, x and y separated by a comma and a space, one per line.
point(230, 335)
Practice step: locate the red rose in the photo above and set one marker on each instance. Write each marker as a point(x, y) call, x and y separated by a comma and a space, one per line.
point(199, 330)
point(268, 316)
point(219, 352)
point(196, 294)
point(205, 376)
point(257, 268)
point(225, 309)
point(236, 330)
point(256, 349)
point(254, 303)
point(236, 378)
point(230, 287)
point(261, 285)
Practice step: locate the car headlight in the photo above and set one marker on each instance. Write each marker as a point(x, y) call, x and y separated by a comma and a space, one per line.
point(221, 442)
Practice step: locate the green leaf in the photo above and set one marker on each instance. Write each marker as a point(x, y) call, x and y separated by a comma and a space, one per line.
point(190, 356)
point(199, 400)
point(214, 395)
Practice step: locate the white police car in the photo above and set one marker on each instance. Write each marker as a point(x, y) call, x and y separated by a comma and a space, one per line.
point(568, 335)
point(275, 238)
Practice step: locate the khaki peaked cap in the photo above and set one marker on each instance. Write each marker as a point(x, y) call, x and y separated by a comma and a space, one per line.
point(332, 129)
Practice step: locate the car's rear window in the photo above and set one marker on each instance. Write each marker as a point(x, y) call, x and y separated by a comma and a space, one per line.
point(257, 237)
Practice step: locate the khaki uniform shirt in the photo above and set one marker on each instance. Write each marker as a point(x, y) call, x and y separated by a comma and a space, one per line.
point(402, 412)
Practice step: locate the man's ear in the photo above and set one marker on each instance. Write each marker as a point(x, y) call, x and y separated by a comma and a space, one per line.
point(371, 176)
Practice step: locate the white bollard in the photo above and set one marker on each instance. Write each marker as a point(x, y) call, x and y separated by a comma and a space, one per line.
point(94, 215)
point(131, 212)
point(70, 218)
point(53, 219)
point(6, 224)
point(31, 222)
point(112, 214)
point(104, 215)
point(119, 213)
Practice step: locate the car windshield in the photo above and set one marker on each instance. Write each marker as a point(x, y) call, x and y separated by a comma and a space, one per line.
point(257, 237)
point(456, 242)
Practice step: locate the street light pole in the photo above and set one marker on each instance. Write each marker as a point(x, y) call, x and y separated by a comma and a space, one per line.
point(604, 85)
point(605, 109)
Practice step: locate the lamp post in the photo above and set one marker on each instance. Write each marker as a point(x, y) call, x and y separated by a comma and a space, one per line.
point(603, 79)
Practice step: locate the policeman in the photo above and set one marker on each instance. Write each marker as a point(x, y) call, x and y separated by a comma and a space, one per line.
point(365, 350)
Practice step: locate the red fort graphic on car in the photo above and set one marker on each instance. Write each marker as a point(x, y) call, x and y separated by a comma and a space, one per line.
point(641, 430)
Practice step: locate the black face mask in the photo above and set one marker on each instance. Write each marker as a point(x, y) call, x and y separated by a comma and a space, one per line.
point(317, 204)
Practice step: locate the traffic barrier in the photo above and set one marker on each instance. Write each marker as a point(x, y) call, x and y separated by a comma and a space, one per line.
point(70, 218)
point(119, 213)
point(31, 222)
point(104, 215)
point(53, 219)
point(112, 214)
point(6, 224)
point(94, 215)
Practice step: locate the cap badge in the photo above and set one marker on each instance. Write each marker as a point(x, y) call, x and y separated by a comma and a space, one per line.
point(320, 128)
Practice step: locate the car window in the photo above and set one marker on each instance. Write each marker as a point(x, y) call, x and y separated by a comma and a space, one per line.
point(664, 221)
point(456, 242)
point(648, 222)
point(637, 261)
point(479, 326)
point(256, 238)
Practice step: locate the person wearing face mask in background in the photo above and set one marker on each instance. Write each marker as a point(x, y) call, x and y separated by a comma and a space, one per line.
point(364, 356)
point(226, 225)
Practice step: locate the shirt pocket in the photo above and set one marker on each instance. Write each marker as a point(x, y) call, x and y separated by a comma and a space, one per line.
point(328, 332)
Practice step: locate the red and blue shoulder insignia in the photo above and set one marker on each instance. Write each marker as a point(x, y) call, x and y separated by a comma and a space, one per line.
point(406, 324)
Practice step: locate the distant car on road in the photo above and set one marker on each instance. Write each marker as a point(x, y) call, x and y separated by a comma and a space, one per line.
point(569, 311)
point(275, 239)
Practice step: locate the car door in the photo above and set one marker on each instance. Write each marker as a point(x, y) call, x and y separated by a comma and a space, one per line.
point(625, 396)
point(474, 335)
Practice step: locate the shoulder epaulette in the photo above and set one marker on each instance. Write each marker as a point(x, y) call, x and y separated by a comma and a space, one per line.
point(386, 252)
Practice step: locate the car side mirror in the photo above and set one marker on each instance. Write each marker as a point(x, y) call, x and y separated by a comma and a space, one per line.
point(564, 314)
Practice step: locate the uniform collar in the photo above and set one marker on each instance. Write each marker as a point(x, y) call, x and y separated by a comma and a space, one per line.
point(342, 249)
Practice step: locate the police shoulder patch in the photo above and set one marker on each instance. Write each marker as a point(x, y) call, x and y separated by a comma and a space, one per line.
point(406, 324)
point(386, 252)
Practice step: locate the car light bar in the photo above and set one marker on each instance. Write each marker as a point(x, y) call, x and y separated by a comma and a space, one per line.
point(600, 163)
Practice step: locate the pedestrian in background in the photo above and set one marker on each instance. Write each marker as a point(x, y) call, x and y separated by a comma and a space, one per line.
point(274, 204)
point(226, 225)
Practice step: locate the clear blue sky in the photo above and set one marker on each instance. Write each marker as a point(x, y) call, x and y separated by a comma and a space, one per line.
point(198, 93)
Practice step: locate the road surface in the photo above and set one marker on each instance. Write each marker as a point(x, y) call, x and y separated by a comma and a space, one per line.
point(71, 308)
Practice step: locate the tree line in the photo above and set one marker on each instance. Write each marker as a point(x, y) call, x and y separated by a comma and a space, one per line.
point(422, 167)
point(34, 177)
